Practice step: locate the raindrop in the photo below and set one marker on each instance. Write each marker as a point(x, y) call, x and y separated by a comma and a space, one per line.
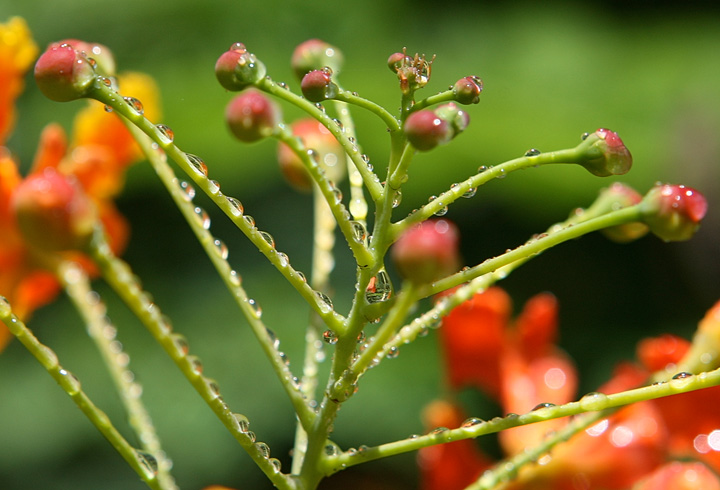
point(214, 186)
point(397, 198)
point(202, 217)
point(276, 464)
point(251, 435)
point(283, 259)
point(682, 375)
point(212, 387)
point(148, 462)
point(471, 422)
point(250, 221)
point(239, 47)
point(180, 343)
point(365, 158)
point(329, 337)
point(241, 422)
point(359, 231)
point(301, 276)
point(256, 310)
point(165, 133)
point(135, 105)
point(594, 401)
point(584, 136)
point(108, 108)
point(197, 163)
point(324, 302)
point(314, 156)
point(188, 190)
point(221, 248)
point(482, 168)
point(438, 430)
point(501, 174)
point(337, 193)
point(392, 353)
point(540, 406)
point(195, 364)
point(236, 206)
point(331, 450)
point(263, 449)
point(320, 107)
point(273, 338)
point(106, 81)
point(339, 124)
point(379, 288)
point(268, 238)
point(235, 279)
point(73, 384)
point(283, 85)
point(532, 152)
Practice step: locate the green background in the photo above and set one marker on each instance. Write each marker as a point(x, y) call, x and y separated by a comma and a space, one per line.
point(551, 72)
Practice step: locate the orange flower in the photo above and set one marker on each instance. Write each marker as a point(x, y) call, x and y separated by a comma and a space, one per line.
point(100, 151)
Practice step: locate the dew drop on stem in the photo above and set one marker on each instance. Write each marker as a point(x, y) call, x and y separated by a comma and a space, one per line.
point(236, 207)
point(532, 152)
point(263, 449)
point(268, 238)
point(256, 310)
point(197, 163)
point(235, 278)
point(203, 218)
point(329, 337)
point(241, 422)
point(148, 463)
point(379, 288)
point(221, 249)
point(324, 302)
point(188, 191)
point(135, 105)
point(165, 133)
point(472, 422)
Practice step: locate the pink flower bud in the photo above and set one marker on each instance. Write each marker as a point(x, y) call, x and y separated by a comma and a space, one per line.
point(673, 212)
point(251, 116)
point(428, 251)
point(467, 90)
point(63, 74)
point(52, 211)
point(396, 61)
point(425, 130)
point(317, 85)
point(457, 117)
point(98, 55)
point(604, 153)
point(619, 196)
point(315, 54)
point(237, 68)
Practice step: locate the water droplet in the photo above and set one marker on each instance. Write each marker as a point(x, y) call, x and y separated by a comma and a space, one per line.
point(337, 193)
point(339, 124)
point(251, 435)
point(236, 207)
point(379, 288)
point(501, 174)
point(594, 401)
point(283, 259)
point(359, 231)
point(472, 422)
point(365, 158)
point(361, 337)
point(272, 337)
point(319, 106)
point(438, 430)
point(440, 212)
point(195, 364)
point(188, 191)
point(392, 353)
point(324, 302)
point(48, 358)
point(329, 337)
point(532, 152)
point(197, 163)
point(584, 136)
point(213, 186)
point(470, 193)
point(482, 168)
point(682, 375)
point(301, 276)
point(203, 218)
point(181, 343)
point(249, 220)
point(148, 462)
point(235, 278)
point(212, 387)
point(276, 464)
point(72, 384)
point(135, 105)
point(165, 133)
point(331, 450)
point(397, 198)
point(540, 406)
point(256, 310)
point(221, 248)
point(314, 156)
point(106, 81)
point(241, 422)
point(263, 449)
point(108, 108)
point(268, 238)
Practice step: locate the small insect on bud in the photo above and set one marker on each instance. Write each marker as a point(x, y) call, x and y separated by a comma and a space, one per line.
point(251, 116)
point(673, 212)
point(428, 251)
point(315, 54)
point(603, 153)
point(317, 85)
point(237, 68)
point(467, 90)
point(63, 74)
point(53, 213)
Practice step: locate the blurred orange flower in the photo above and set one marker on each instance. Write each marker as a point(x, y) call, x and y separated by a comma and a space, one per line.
point(100, 151)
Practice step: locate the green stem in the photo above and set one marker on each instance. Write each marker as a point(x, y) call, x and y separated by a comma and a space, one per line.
point(102, 332)
point(142, 464)
point(446, 96)
point(348, 97)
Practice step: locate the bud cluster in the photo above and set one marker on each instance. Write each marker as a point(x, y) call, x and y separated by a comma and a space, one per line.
point(412, 71)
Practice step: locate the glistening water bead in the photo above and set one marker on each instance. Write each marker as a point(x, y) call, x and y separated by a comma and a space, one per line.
point(236, 206)
point(197, 163)
point(165, 133)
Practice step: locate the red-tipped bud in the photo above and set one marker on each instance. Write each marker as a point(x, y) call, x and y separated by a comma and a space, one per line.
point(467, 90)
point(98, 55)
point(428, 251)
point(673, 212)
point(52, 211)
point(63, 74)
point(237, 68)
point(396, 61)
point(251, 116)
point(425, 130)
point(619, 196)
point(322, 148)
point(317, 85)
point(315, 54)
point(603, 153)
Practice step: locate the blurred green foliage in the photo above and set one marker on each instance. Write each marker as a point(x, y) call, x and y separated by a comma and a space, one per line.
point(551, 71)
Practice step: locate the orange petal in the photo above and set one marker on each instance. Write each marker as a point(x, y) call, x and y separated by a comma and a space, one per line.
point(680, 476)
point(51, 148)
point(537, 324)
point(656, 353)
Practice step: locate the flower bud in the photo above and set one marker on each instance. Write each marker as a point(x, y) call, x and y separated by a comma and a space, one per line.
point(428, 251)
point(603, 153)
point(237, 68)
point(317, 85)
point(322, 147)
point(98, 55)
point(251, 116)
point(618, 196)
point(315, 54)
point(458, 118)
point(425, 130)
point(673, 212)
point(467, 90)
point(413, 72)
point(52, 211)
point(396, 61)
point(63, 74)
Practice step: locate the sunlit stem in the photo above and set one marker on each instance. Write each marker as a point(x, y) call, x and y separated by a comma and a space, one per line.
point(102, 332)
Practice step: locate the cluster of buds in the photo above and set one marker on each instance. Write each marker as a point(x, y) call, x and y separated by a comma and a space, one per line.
point(426, 129)
point(412, 71)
